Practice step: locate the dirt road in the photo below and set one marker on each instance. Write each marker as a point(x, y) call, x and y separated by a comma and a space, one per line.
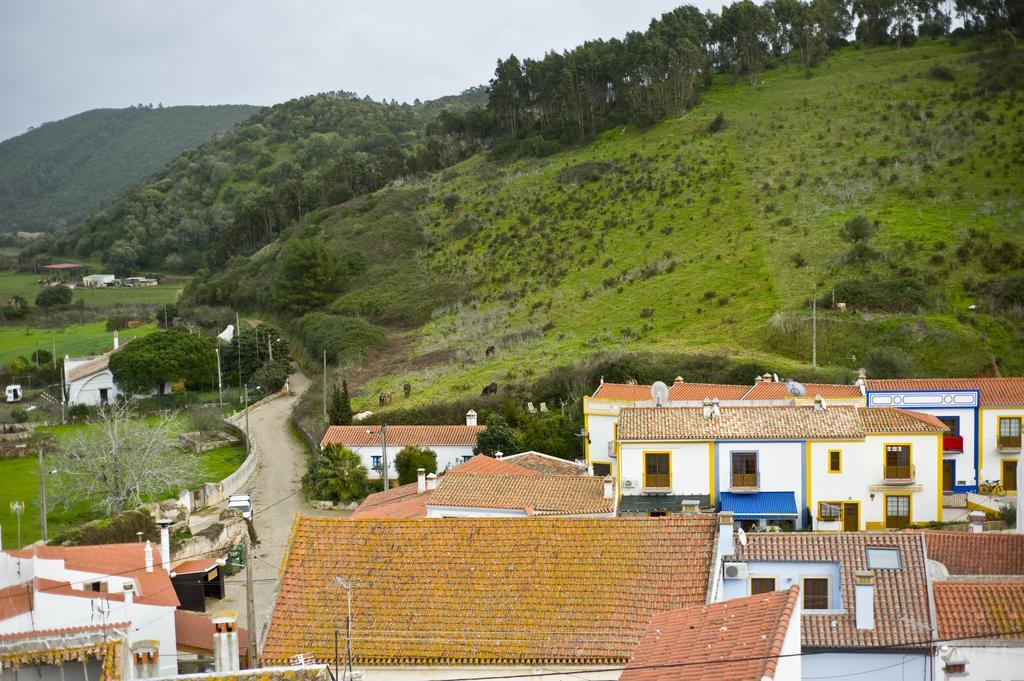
point(277, 496)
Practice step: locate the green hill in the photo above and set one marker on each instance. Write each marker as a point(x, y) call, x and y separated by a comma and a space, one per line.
point(236, 192)
point(58, 174)
point(707, 232)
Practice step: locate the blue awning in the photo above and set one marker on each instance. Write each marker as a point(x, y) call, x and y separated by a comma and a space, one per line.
point(760, 505)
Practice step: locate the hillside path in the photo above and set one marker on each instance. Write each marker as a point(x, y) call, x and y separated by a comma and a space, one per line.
point(276, 489)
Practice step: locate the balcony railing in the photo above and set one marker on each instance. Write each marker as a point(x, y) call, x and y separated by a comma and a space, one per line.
point(953, 443)
point(746, 481)
point(899, 475)
point(1009, 442)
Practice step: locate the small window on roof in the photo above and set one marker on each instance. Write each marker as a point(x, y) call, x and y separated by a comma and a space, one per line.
point(884, 559)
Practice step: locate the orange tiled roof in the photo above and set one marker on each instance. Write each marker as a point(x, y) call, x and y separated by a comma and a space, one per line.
point(988, 610)
point(15, 600)
point(95, 365)
point(890, 420)
point(488, 465)
point(993, 392)
point(776, 390)
point(545, 464)
point(902, 614)
point(194, 566)
point(403, 436)
point(196, 632)
point(677, 642)
point(103, 643)
point(739, 423)
point(966, 553)
point(126, 560)
point(539, 493)
point(487, 591)
point(633, 392)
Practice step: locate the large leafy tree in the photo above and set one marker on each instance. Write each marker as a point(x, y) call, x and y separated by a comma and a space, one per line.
point(499, 437)
point(53, 296)
point(551, 433)
point(339, 408)
point(164, 357)
point(338, 475)
point(308, 276)
point(411, 459)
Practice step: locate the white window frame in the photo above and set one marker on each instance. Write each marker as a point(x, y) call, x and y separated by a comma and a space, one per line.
point(892, 550)
point(750, 582)
point(803, 592)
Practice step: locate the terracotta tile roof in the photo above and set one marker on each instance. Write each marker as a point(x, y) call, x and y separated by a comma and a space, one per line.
point(488, 465)
point(751, 628)
point(487, 591)
point(739, 423)
point(902, 615)
point(776, 390)
point(126, 560)
point(545, 464)
point(537, 493)
point(403, 436)
point(890, 420)
point(307, 672)
point(966, 553)
point(94, 366)
point(104, 643)
point(196, 632)
point(41, 633)
point(984, 610)
point(397, 502)
point(194, 566)
point(633, 392)
point(993, 391)
point(15, 600)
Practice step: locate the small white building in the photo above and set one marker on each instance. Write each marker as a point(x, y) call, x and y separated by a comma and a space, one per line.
point(89, 381)
point(452, 444)
point(98, 280)
point(123, 588)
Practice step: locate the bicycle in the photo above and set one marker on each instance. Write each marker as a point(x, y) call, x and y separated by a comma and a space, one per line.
point(991, 488)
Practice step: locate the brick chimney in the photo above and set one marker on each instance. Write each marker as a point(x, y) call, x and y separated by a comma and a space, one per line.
point(864, 598)
point(421, 480)
point(225, 642)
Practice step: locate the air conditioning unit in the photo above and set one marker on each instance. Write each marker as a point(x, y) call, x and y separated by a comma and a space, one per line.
point(735, 571)
point(627, 484)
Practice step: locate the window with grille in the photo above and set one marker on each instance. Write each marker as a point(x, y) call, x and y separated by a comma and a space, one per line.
point(897, 462)
point(816, 593)
point(1009, 432)
point(835, 461)
point(897, 511)
point(376, 462)
point(829, 510)
point(761, 585)
point(656, 469)
point(744, 469)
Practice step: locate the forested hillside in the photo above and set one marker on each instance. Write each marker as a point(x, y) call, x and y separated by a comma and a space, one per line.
point(237, 192)
point(58, 174)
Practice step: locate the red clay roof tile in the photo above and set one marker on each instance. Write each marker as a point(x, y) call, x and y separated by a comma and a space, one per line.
point(993, 392)
point(403, 436)
point(985, 610)
point(967, 553)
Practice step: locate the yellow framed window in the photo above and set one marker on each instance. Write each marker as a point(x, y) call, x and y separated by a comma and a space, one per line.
point(835, 461)
point(657, 471)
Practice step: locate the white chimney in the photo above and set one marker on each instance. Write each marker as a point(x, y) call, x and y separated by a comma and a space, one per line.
point(706, 411)
point(716, 410)
point(819, 403)
point(977, 521)
point(432, 481)
point(225, 642)
point(609, 487)
point(864, 598)
point(165, 544)
point(117, 341)
point(691, 506)
point(470, 418)
point(498, 455)
point(129, 593)
point(421, 480)
point(726, 545)
point(1020, 496)
point(679, 381)
point(149, 556)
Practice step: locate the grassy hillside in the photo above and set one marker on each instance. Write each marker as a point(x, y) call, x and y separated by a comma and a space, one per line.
point(703, 235)
point(58, 174)
point(235, 193)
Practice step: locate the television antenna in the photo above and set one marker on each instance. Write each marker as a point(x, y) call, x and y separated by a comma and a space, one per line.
point(796, 389)
point(659, 393)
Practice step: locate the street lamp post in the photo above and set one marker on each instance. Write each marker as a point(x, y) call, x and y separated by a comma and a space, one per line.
point(248, 441)
point(16, 508)
point(347, 586)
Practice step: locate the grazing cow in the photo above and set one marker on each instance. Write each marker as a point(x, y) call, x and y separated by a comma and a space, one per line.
point(489, 352)
point(385, 398)
point(491, 389)
point(381, 400)
point(407, 389)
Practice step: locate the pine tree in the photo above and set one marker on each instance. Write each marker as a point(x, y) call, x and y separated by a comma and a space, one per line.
point(340, 408)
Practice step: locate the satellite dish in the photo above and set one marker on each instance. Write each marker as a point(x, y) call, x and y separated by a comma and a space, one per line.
point(659, 393)
point(796, 389)
point(742, 536)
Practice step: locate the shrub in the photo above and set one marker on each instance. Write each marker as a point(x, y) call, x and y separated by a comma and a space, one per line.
point(272, 376)
point(588, 171)
point(857, 229)
point(888, 362)
point(411, 459)
point(344, 338)
point(717, 123)
point(939, 72)
point(19, 415)
point(450, 202)
point(798, 260)
point(499, 437)
point(1008, 514)
point(53, 296)
point(895, 294)
point(121, 529)
point(337, 475)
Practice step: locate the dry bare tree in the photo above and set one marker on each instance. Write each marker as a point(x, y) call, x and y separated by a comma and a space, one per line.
point(120, 459)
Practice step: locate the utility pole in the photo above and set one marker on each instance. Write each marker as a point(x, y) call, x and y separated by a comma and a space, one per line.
point(814, 325)
point(16, 508)
point(347, 586)
point(61, 376)
point(325, 389)
point(42, 498)
point(384, 453)
point(238, 333)
point(54, 354)
point(250, 598)
point(270, 349)
point(220, 382)
point(248, 440)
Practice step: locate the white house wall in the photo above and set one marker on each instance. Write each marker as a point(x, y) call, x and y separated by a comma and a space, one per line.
point(548, 673)
point(600, 419)
point(789, 666)
point(87, 390)
point(897, 666)
point(989, 455)
point(447, 457)
point(689, 466)
point(989, 662)
point(779, 465)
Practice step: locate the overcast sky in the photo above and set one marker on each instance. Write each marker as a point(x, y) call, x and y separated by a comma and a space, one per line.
point(61, 57)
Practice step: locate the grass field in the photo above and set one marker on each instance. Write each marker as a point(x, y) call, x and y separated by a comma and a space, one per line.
point(21, 483)
point(680, 238)
point(77, 340)
point(27, 286)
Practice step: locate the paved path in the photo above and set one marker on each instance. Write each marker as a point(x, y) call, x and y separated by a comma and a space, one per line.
point(277, 496)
